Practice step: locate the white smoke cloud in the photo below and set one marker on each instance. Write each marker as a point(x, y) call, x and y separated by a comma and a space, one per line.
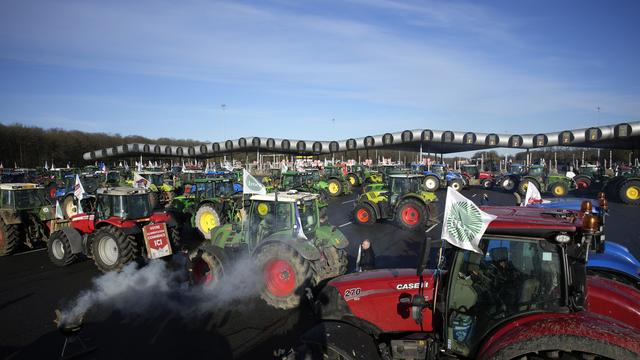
point(163, 286)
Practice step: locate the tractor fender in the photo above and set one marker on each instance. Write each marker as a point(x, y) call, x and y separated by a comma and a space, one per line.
point(373, 205)
point(126, 226)
point(10, 217)
point(614, 300)
point(345, 339)
point(75, 239)
point(305, 248)
point(163, 217)
point(416, 197)
point(332, 236)
point(506, 342)
point(621, 251)
point(615, 262)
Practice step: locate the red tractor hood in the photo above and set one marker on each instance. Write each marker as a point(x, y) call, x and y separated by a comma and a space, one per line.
point(382, 298)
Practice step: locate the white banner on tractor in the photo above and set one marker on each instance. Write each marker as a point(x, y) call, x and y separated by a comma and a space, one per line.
point(251, 185)
point(464, 223)
point(533, 195)
point(140, 182)
point(78, 189)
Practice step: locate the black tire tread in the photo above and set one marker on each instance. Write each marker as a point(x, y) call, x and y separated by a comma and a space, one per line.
point(127, 247)
point(11, 238)
point(69, 258)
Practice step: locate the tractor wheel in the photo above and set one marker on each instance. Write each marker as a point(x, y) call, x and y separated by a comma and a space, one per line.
point(431, 183)
point(582, 182)
point(411, 214)
point(563, 347)
point(487, 184)
point(207, 218)
point(508, 184)
point(174, 238)
point(59, 249)
point(285, 273)
point(338, 261)
point(456, 184)
point(334, 188)
point(207, 266)
point(353, 180)
point(559, 189)
point(630, 192)
point(112, 249)
point(364, 214)
point(524, 184)
point(9, 238)
point(68, 207)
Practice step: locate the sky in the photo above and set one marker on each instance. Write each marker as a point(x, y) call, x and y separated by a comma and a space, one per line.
point(325, 70)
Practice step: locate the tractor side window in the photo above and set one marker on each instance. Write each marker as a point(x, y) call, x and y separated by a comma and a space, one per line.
point(7, 199)
point(513, 277)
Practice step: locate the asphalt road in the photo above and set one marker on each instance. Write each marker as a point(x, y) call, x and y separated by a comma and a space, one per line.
point(31, 288)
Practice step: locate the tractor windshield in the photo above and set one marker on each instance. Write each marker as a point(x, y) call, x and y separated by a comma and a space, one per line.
point(513, 277)
point(333, 171)
point(25, 199)
point(113, 178)
point(224, 188)
point(471, 170)
point(155, 179)
point(402, 185)
point(124, 207)
point(536, 171)
point(438, 169)
point(314, 174)
point(308, 217)
point(517, 169)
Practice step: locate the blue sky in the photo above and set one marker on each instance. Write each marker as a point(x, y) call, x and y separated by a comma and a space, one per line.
point(287, 68)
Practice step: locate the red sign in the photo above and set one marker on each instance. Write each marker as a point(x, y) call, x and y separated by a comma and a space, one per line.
point(156, 239)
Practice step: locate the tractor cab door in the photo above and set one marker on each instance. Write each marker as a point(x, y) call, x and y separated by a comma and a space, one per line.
point(396, 191)
point(512, 278)
point(267, 218)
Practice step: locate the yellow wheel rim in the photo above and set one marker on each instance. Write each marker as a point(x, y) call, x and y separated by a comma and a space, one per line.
point(263, 209)
point(208, 221)
point(352, 180)
point(525, 185)
point(559, 190)
point(333, 188)
point(633, 193)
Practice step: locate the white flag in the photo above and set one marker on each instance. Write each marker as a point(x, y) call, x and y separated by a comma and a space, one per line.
point(59, 214)
point(228, 166)
point(251, 185)
point(533, 195)
point(78, 189)
point(139, 181)
point(284, 169)
point(464, 223)
point(301, 234)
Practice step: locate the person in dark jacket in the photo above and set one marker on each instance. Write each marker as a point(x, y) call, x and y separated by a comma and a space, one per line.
point(366, 257)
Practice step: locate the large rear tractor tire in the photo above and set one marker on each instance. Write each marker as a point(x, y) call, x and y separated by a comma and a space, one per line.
point(207, 265)
point(630, 192)
point(559, 189)
point(59, 249)
point(334, 188)
point(411, 214)
point(431, 183)
point(9, 238)
point(286, 274)
point(353, 180)
point(69, 207)
point(338, 261)
point(363, 214)
point(582, 182)
point(112, 249)
point(524, 184)
point(563, 347)
point(207, 218)
point(508, 184)
point(456, 184)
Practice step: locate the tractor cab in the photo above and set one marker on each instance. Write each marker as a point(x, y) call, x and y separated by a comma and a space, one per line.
point(313, 174)
point(400, 185)
point(472, 170)
point(517, 169)
point(23, 197)
point(211, 188)
point(590, 170)
point(333, 171)
point(89, 182)
point(271, 216)
point(294, 180)
point(124, 203)
point(536, 171)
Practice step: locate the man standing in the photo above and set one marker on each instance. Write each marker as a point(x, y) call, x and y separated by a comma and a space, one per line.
point(366, 257)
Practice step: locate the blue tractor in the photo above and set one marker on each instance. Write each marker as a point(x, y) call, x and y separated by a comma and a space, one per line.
point(64, 191)
point(439, 177)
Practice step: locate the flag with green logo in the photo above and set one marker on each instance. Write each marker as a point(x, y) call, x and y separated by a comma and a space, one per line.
point(251, 185)
point(464, 223)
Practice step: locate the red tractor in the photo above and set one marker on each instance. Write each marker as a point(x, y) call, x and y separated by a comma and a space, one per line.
point(474, 177)
point(527, 297)
point(120, 227)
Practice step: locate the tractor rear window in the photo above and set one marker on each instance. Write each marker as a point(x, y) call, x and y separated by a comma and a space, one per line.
point(29, 199)
point(513, 277)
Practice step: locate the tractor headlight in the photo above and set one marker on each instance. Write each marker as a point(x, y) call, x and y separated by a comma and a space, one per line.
point(563, 238)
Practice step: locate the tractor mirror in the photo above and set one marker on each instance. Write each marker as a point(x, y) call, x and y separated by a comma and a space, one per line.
point(418, 303)
point(425, 249)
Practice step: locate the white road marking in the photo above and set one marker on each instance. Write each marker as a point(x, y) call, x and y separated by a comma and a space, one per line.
point(30, 251)
point(346, 202)
point(345, 224)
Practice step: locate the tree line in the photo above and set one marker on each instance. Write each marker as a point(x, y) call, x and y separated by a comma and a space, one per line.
point(30, 146)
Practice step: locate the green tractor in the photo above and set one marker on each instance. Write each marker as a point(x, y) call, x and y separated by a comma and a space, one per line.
point(207, 204)
point(590, 176)
point(338, 184)
point(271, 176)
point(289, 240)
point(360, 175)
point(627, 185)
point(161, 191)
point(304, 182)
point(404, 200)
point(558, 185)
point(24, 214)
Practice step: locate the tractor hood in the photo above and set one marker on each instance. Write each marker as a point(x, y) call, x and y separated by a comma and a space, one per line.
point(382, 298)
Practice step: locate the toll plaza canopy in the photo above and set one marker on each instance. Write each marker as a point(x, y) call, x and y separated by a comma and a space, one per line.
point(617, 136)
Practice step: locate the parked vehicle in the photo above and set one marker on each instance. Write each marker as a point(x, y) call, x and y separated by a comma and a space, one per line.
point(438, 176)
point(474, 177)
